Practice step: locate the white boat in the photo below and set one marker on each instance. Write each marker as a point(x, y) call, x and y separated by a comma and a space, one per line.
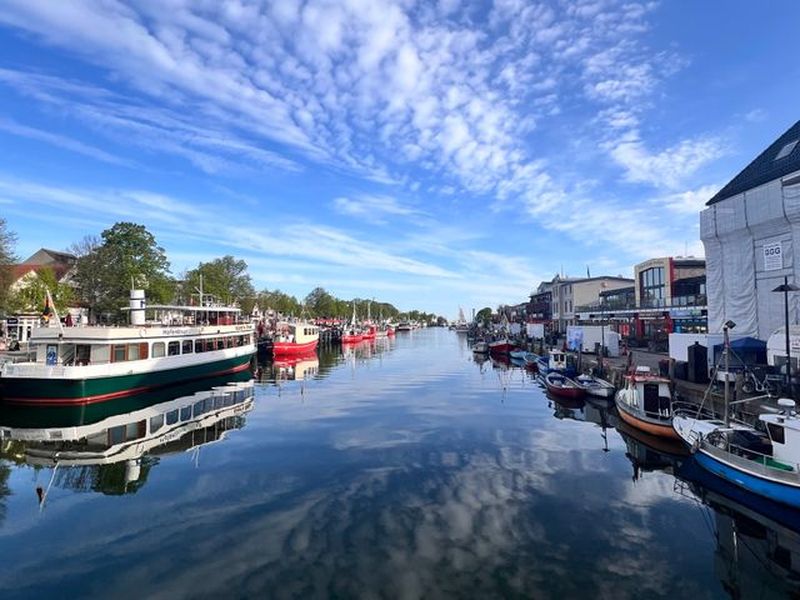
point(765, 462)
point(595, 386)
point(646, 403)
point(85, 365)
point(480, 348)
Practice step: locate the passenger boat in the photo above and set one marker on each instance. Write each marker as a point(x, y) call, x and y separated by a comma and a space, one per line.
point(762, 462)
point(85, 365)
point(646, 403)
point(595, 386)
point(562, 386)
point(293, 339)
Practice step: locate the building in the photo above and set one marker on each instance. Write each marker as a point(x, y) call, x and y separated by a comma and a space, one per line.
point(570, 293)
point(751, 233)
point(18, 327)
point(668, 295)
point(540, 307)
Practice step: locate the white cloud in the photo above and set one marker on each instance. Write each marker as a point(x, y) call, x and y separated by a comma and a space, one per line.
point(374, 209)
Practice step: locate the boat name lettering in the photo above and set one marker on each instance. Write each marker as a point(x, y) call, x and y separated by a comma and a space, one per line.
point(181, 331)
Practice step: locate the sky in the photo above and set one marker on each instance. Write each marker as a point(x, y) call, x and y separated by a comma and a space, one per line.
point(432, 154)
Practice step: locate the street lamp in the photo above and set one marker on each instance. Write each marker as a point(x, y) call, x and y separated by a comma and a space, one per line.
point(786, 288)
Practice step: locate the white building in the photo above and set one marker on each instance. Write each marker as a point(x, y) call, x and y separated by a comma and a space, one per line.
point(751, 233)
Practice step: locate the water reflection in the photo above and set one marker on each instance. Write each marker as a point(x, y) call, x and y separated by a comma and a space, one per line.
point(115, 454)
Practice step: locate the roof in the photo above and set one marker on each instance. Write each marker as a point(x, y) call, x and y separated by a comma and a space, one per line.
point(765, 167)
point(617, 291)
point(19, 271)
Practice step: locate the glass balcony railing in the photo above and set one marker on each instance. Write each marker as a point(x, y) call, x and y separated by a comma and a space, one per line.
point(677, 302)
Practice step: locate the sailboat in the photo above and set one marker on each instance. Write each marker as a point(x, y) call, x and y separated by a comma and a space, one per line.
point(461, 324)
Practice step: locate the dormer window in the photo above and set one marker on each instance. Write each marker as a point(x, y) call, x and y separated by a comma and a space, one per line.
point(787, 149)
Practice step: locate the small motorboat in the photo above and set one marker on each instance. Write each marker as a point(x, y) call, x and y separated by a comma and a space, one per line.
point(562, 386)
point(595, 386)
point(646, 403)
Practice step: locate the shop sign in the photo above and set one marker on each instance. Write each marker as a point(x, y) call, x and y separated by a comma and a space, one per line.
point(773, 257)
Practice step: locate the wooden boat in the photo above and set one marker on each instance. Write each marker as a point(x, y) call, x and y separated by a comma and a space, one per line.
point(162, 345)
point(293, 339)
point(646, 403)
point(595, 386)
point(557, 361)
point(766, 462)
point(562, 386)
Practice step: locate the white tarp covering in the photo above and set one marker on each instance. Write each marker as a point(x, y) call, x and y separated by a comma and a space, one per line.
point(535, 330)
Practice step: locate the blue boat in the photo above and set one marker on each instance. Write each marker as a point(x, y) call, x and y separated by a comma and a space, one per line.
point(765, 462)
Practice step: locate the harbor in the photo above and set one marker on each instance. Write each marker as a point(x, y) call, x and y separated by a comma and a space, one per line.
point(333, 469)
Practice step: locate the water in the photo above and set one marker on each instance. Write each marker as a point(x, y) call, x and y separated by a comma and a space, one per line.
point(403, 470)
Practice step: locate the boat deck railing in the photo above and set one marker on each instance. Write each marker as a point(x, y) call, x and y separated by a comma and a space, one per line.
point(752, 461)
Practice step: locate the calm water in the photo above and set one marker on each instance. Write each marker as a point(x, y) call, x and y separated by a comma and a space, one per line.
point(402, 470)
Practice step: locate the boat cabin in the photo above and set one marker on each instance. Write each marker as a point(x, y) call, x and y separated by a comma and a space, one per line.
point(649, 393)
point(297, 333)
point(561, 361)
point(783, 430)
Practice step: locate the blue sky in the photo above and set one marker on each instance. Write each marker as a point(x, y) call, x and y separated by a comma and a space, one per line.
point(433, 154)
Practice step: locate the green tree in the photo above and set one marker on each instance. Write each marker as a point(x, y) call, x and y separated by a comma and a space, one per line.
point(484, 315)
point(320, 303)
point(226, 278)
point(280, 302)
point(7, 258)
point(31, 295)
point(127, 255)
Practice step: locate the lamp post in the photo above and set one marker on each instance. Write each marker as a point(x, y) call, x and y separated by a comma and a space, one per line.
point(787, 287)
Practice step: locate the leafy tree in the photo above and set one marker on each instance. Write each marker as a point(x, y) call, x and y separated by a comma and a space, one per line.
point(280, 302)
point(31, 295)
point(127, 255)
point(7, 258)
point(226, 278)
point(321, 304)
point(484, 315)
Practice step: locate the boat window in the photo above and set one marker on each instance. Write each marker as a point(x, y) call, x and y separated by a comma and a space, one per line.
point(133, 351)
point(120, 353)
point(219, 400)
point(198, 345)
point(82, 354)
point(156, 423)
point(135, 430)
point(186, 413)
point(173, 349)
point(198, 408)
point(172, 417)
point(187, 346)
point(158, 349)
point(116, 435)
point(776, 433)
point(101, 354)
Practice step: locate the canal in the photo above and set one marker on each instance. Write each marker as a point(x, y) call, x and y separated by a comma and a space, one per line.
point(406, 469)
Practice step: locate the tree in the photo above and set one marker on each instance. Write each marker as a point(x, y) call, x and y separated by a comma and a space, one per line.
point(8, 240)
point(484, 315)
point(226, 278)
point(320, 303)
point(280, 302)
point(31, 295)
point(127, 255)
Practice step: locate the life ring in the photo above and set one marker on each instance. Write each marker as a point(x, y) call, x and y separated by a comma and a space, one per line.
point(142, 332)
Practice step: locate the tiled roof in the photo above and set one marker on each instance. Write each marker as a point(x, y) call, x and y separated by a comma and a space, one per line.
point(766, 167)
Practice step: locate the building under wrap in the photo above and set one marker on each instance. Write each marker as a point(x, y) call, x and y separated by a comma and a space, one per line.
point(751, 234)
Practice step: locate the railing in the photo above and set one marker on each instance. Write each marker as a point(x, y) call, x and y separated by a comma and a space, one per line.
point(750, 460)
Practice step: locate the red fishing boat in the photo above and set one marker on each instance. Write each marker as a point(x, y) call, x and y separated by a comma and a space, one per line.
point(295, 338)
point(501, 347)
point(562, 386)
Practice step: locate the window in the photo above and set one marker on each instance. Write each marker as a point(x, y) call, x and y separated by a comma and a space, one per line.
point(158, 349)
point(133, 352)
point(173, 349)
point(186, 413)
point(187, 346)
point(198, 409)
point(120, 353)
point(156, 423)
point(198, 345)
point(786, 150)
point(776, 433)
point(172, 417)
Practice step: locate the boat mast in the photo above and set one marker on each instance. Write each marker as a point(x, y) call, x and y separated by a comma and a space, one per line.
point(727, 346)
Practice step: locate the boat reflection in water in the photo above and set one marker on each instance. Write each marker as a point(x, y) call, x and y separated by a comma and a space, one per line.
point(114, 454)
point(295, 368)
point(758, 541)
point(649, 453)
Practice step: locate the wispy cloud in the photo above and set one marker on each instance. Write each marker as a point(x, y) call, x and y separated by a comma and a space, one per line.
point(373, 209)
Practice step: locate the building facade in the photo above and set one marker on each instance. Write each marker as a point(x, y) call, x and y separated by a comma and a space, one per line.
point(751, 233)
point(570, 293)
